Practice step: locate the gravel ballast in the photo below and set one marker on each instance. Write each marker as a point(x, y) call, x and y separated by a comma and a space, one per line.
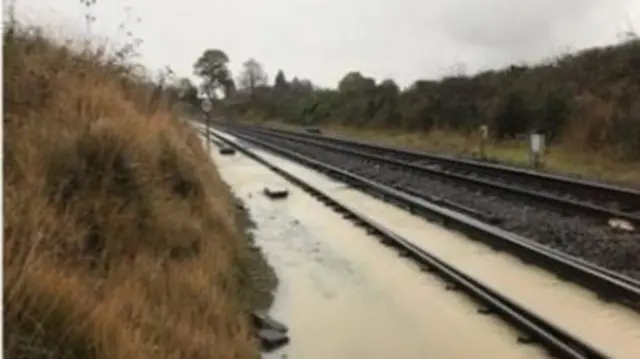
point(583, 237)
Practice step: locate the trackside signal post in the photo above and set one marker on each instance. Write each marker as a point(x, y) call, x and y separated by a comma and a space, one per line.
point(536, 149)
point(206, 105)
point(484, 135)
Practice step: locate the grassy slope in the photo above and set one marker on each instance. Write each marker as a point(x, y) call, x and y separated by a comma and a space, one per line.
point(120, 237)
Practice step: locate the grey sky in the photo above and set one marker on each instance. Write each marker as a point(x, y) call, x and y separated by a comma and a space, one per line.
point(323, 39)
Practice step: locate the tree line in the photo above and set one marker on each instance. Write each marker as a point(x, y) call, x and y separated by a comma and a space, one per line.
point(217, 81)
point(588, 99)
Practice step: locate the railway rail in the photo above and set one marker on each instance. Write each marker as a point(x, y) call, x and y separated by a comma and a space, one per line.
point(625, 199)
point(534, 328)
point(605, 201)
point(607, 283)
point(582, 236)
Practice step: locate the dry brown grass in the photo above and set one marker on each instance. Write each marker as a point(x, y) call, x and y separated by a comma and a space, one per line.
point(120, 239)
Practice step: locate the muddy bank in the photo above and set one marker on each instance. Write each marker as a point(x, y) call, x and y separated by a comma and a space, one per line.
point(258, 280)
point(257, 277)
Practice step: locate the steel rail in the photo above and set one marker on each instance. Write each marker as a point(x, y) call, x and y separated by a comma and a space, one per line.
point(610, 273)
point(607, 284)
point(536, 329)
point(624, 195)
point(546, 198)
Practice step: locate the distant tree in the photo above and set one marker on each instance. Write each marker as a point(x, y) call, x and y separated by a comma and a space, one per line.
point(252, 76)
point(358, 98)
point(513, 118)
point(389, 88)
point(187, 91)
point(161, 86)
point(354, 82)
point(385, 109)
point(553, 116)
point(211, 66)
point(281, 83)
point(304, 87)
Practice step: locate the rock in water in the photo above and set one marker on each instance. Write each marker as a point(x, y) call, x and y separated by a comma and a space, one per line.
point(272, 333)
point(226, 150)
point(271, 339)
point(276, 193)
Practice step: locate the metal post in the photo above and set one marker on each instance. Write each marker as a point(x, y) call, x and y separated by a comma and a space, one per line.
point(536, 147)
point(208, 121)
point(206, 105)
point(484, 134)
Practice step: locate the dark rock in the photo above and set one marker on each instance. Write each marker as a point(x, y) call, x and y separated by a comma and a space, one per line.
point(272, 334)
point(271, 339)
point(265, 321)
point(226, 150)
point(276, 193)
point(313, 130)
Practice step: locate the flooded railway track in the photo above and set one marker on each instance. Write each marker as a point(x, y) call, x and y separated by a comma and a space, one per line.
point(557, 339)
point(580, 235)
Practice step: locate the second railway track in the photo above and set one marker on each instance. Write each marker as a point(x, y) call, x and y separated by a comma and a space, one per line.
point(574, 193)
point(558, 341)
point(578, 235)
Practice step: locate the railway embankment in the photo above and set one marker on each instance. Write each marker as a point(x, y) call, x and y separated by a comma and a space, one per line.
point(120, 238)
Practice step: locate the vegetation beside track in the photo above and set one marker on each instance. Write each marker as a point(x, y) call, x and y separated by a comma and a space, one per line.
point(121, 240)
point(585, 103)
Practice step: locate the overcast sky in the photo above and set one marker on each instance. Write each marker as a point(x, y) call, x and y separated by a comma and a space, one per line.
point(323, 39)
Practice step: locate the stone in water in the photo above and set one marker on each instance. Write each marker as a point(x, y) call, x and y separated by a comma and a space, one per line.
point(276, 193)
point(226, 150)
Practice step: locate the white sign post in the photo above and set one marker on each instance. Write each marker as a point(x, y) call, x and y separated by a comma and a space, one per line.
point(537, 148)
point(206, 105)
point(484, 135)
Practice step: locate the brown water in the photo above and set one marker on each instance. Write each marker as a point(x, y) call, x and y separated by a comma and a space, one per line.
point(612, 328)
point(344, 295)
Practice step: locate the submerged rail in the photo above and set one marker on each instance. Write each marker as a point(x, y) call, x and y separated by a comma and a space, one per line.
point(608, 284)
point(534, 328)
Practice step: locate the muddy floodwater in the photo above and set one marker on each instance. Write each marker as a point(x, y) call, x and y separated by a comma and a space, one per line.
point(612, 328)
point(345, 295)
